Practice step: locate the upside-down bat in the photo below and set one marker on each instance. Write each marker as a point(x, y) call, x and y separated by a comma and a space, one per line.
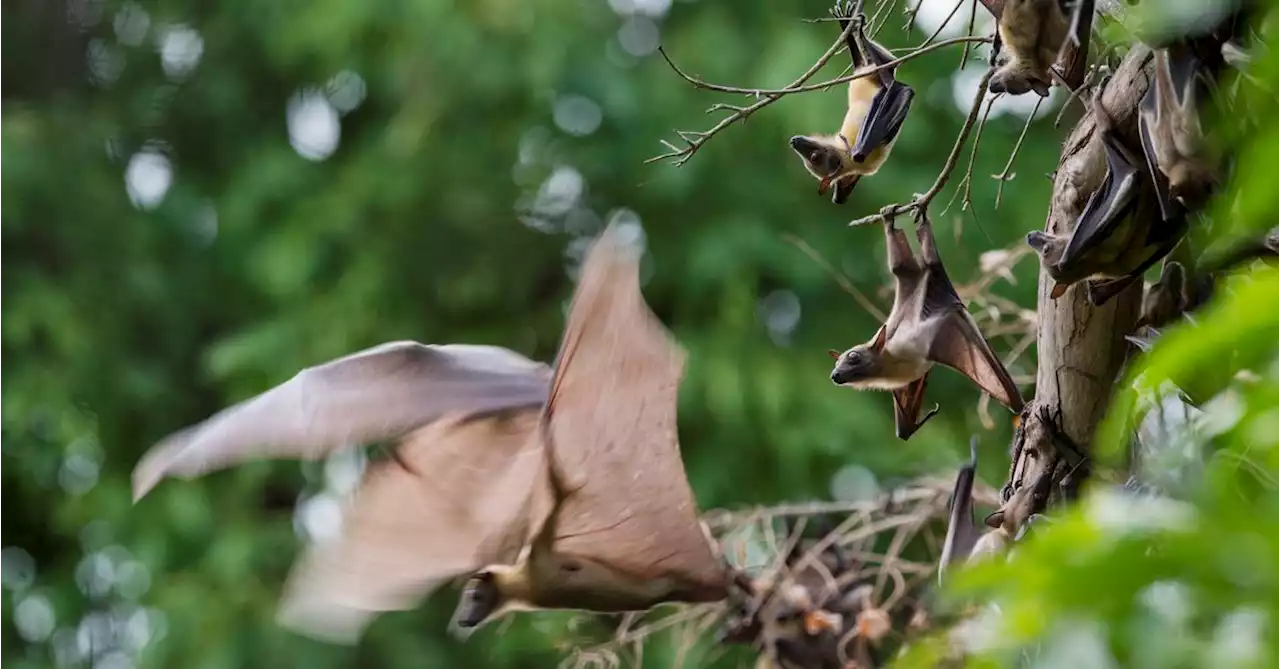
point(928, 324)
point(1169, 125)
point(491, 473)
point(877, 107)
point(965, 541)
point(1119, 234)
point(1166, 299)
point(1034, 35)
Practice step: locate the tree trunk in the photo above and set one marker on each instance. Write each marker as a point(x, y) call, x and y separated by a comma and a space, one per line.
point(1080, 347)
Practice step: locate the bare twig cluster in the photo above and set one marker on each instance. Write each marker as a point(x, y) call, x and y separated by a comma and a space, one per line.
point(893, 540)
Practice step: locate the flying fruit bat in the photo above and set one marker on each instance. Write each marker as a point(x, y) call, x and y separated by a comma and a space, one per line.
point(965, 541)
point(1169, 125)
point(1166, 299)
point(928, 324)
point(489, 474)
point(1119, 234)
point(878, 105)
point(462, 415)
point(1034, 35)
point(622, 531)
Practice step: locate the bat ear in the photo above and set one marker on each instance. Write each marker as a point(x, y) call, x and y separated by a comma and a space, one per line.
point(877, 344)
point(995, 520)
point(833, 353)
point(1058, 290)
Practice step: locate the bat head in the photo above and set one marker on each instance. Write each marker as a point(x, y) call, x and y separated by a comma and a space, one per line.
point(823, 157)
point(1050, 248)
point(856, 364)
point(481, 599)
point(1016, 80)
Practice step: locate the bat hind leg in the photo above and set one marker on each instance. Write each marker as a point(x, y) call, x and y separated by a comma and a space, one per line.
point(1075, 458)
point(907, 404)
point(928, 244)
point(902, 262)
point(1101, 291)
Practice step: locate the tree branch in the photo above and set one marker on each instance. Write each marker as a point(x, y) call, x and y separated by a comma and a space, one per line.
point(695, 139)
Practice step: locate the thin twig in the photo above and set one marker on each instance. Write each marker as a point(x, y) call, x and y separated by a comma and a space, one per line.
point(1006, 176)
point(799, 88)
point(934, 36)
point(695, 139)
point(966, 183)
point(973, 16)
point(839, 277)
point(921, 201)
point(681, 156)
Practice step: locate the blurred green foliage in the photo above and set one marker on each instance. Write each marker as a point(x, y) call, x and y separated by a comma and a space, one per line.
point(168, 250)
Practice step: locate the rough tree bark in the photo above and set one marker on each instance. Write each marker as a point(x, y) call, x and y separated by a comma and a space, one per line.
point(1080, 347)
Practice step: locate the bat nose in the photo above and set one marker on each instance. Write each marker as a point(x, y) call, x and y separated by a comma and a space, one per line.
point(836, 377)
point(799, 142)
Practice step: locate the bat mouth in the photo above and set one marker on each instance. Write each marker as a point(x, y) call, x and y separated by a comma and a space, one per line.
point(802, 144)
point(1058, 290)
point(823, 184)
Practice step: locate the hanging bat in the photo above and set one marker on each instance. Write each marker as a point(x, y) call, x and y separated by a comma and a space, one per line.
point(1119, 234)
point(1166, 299)
point(622, 531)
point(965, 541)
point(1169, 125)
point(1034, 35)
point(962, 532)
point(877, 107)
point(928, 324)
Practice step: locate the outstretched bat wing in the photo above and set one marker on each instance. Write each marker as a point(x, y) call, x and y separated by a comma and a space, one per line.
point(377, 394)
point(463, 492)
point(957, 341)
point(960, 345)
point(610, 429)
point(962, 531)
